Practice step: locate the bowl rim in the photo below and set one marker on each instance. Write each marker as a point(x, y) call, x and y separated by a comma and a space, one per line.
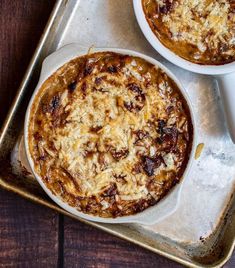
point(147, 217)
point(171, 56)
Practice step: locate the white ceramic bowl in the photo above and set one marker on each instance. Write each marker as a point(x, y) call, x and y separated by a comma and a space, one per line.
point(171, 56)
point(151, 215)
point(224, 74)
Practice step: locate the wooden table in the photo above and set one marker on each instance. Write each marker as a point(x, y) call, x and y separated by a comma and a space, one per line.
point(31, 235)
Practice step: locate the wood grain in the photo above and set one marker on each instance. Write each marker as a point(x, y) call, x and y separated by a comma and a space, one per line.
point(21, 25)
point(28, 233)
point(92, 248)
point(31, 235)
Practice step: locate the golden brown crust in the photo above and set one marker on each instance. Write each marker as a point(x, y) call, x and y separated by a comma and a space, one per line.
point(199, 31)
point(110, 134)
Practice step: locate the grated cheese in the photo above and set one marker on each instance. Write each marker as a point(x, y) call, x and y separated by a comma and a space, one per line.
point(89, 137)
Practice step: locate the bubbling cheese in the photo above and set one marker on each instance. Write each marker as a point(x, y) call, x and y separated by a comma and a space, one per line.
point(100, 137)
point(204, 29)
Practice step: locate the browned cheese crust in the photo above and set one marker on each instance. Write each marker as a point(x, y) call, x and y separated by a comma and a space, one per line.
point(110, 134)
point(201, 31)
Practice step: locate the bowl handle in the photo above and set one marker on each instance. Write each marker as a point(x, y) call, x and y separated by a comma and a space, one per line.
point(166, 207)
point(226, 85)
point(61, 56)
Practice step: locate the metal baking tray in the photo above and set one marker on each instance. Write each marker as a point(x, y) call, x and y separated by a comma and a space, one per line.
point(201, 232)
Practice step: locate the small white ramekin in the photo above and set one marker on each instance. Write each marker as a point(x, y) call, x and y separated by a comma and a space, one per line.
point(171, 56)
point(151, 215)
point(224, 74)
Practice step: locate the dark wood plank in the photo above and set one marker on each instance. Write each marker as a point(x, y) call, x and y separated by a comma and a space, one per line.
point(28, 233)
point(21, 25)
point(85, 246)
point(231, 262)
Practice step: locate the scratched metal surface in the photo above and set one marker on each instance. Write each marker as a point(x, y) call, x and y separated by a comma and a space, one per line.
point(207, 193)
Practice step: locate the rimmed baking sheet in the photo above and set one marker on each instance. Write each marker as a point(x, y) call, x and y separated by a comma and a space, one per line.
point(201, 232)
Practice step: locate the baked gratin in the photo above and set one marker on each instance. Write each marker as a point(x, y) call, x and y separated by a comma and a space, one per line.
point(201, 31)
point(109, 134)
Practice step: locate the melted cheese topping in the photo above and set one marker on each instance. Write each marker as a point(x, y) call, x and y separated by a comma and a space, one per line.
point(110, 134)
point(206, 27)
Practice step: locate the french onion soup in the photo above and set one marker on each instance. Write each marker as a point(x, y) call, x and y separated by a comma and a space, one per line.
point(109, 134)
point(200, 31)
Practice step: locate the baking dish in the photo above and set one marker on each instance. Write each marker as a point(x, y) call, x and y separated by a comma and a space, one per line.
point(151, 215)
point(224, 74)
